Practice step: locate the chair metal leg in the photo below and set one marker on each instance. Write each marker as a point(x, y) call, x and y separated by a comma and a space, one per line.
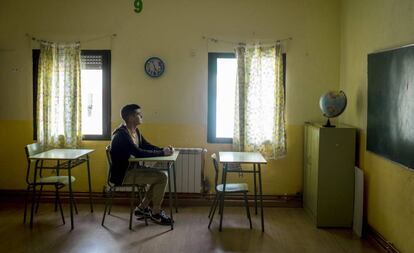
point(38, 198)
point(60, 204)
point(141, 190)
point(131, 209)
point(74, 205)
point(111, 198)
point(34, 194)
point(223, 180)
point(26, 195)
point(214, 209)
point(213, 204)
point(247, 209)
point(107, 198)
point(56, 200)
point(33, 204)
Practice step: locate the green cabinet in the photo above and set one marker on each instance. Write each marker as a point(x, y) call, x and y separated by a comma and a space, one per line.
point(328, 173)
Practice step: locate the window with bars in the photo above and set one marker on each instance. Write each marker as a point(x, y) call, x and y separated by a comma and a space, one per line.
point(96, 93)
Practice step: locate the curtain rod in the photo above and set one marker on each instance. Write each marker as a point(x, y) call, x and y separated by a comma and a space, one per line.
point(82, 41)
point(241, 43)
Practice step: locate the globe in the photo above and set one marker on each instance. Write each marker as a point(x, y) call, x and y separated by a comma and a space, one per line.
point(332, 104)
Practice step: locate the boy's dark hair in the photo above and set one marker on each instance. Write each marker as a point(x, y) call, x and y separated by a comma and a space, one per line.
point(128, 110)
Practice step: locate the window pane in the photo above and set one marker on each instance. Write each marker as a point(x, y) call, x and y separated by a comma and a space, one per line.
point(91, 80)
point(225, 100)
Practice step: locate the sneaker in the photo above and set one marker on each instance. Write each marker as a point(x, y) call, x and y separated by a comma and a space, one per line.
point(141, 212)
point(161, 218)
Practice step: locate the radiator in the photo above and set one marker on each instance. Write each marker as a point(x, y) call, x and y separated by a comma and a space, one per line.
point(189, 171)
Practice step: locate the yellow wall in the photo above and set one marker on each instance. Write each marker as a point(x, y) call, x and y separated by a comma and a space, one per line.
point(368, 26)
point(175, 105)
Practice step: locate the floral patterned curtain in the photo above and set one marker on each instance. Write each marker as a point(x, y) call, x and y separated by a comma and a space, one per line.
point(260, 101)
point(59, 95)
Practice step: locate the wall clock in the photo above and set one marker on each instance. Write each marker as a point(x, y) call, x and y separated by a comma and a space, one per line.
point(154, 67)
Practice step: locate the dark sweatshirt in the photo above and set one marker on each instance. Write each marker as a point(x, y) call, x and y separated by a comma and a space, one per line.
point(122, 147)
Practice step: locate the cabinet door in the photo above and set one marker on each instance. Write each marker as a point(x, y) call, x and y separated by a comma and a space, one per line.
point(336, 177)
point(311, 156)
point(314, 169)
point(306, 167)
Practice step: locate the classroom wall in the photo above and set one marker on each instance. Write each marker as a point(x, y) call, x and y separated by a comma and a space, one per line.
point(175, 105)
point(368, 26)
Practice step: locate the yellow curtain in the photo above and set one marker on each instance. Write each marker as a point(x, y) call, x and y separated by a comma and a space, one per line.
point(260, 101)
point(59, 95)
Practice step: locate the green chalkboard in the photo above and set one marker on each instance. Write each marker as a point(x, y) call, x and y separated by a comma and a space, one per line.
point(390, 126)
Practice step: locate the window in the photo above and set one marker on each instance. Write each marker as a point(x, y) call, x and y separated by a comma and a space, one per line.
point(222, 73)
point(96, 93)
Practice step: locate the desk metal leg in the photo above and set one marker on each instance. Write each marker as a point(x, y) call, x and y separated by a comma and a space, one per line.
point(261, 196)
point(170, 196)
point(223, 180)
point(89, 182)
point(131, 208)
point(255, 188)
point(57, 174)
point(34, 194)
point(175, 187)
point(70, 195)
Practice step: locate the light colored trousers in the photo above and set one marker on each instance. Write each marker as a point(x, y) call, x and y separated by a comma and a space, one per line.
point(157, 181)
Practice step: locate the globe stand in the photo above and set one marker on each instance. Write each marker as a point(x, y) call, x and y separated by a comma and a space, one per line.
point(328, 124)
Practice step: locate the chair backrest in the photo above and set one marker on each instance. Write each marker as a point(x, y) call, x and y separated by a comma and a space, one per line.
point(31, 149)
point(216, 169)
point(109, 162)
point(108, 155)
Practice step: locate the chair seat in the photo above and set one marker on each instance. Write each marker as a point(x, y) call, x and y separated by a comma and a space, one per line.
point(55, 180)
point(241, 187)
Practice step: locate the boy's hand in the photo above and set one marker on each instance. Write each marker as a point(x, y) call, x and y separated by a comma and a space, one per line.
point(167, 151)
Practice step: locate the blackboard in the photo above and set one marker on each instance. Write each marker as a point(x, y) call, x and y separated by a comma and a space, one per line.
point(390, 126)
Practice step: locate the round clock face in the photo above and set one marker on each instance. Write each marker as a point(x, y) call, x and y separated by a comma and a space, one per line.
point(154, 67)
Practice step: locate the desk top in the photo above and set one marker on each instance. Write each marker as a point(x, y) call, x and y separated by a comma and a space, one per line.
point(171, 158)
point(241, 157)
point(61, 154)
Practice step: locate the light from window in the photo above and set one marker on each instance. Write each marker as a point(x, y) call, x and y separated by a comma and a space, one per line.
point(225, 100)
point(262, 91)
point(91, 80)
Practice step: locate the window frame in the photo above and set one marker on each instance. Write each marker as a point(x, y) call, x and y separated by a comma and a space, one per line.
point(106, 93)
point(212, 94)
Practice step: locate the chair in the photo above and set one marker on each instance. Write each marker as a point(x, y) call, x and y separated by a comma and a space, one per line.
point(141, 188)
point(233, 188)
point(57, 181)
